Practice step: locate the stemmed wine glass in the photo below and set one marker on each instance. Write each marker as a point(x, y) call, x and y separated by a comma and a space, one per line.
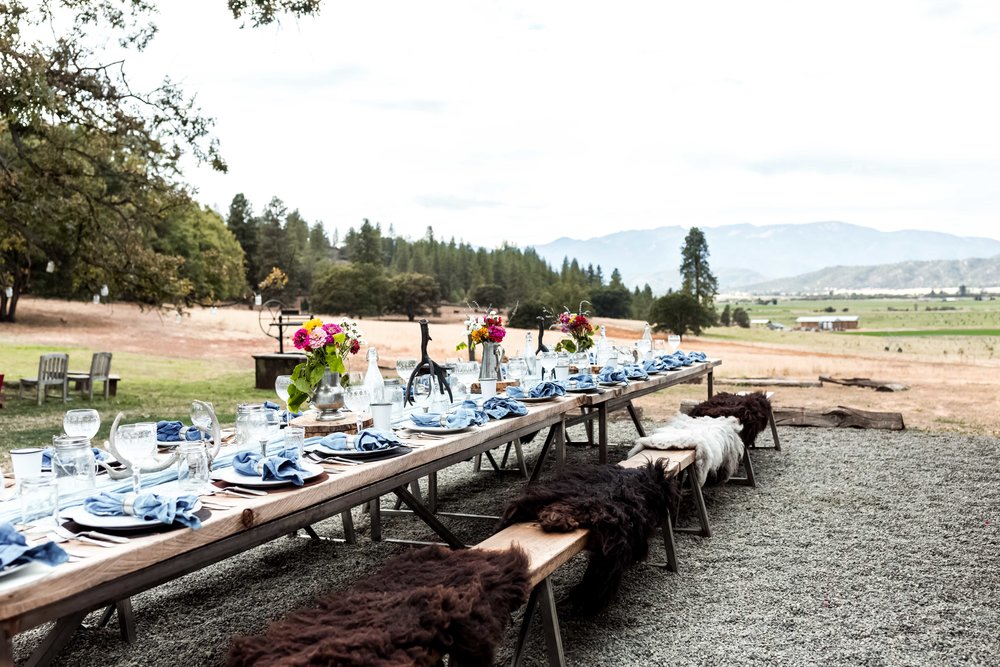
point(548, 360)
point(202, 418)
point(82, 423)
point(517, 369)
point(136, 443)
point(467, 372)
point(281, 388)
point(674, 341)
point(261, 428)
point(357, 399)
point(405, 368)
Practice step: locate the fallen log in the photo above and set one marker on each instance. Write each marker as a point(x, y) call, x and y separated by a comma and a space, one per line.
point(838, 417)
point(767, 382)
point(877, 385)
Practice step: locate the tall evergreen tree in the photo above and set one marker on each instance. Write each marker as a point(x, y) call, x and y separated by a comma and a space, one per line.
point(244, 227)
point(697, 278)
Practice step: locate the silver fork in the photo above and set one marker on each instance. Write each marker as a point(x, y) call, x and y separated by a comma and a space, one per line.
point(89, 537)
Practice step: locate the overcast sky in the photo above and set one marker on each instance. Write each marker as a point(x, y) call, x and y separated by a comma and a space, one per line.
point(525, 120)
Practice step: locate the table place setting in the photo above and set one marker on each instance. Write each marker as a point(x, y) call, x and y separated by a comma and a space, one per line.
point(581, 383)
point(543, 391)
point(609, 376)
point(347, 450)
point(131, 511)
point(253, 470)
point(635, 372)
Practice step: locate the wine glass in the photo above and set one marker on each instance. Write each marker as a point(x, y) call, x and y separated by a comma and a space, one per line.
point(355, 379)
point(83, 423)
point(467, 372)
point(357, 399)
point(136, 443)
point(281, 388)
point(405, 368)
point(201, 417)
point(261, 428)
point(517, 369)
point(643, 347)
point(548, 361)
point(674, 341)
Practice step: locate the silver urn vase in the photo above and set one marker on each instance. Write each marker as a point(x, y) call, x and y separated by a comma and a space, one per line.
point(489, 369)
point(328, 397)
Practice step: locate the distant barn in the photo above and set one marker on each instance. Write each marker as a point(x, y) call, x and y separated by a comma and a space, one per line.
point(828, 322)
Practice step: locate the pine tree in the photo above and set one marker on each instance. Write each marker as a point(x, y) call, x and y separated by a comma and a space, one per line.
point(697, 278)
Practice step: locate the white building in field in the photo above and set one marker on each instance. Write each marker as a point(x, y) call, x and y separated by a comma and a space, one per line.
point(828, 322)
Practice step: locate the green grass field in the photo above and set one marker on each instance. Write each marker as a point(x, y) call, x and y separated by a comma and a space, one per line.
point(927, 332)
point(152, 388)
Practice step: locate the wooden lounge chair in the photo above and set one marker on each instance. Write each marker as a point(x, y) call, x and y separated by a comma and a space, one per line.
point(2, 397)
point(51, 373)
point(100, 371)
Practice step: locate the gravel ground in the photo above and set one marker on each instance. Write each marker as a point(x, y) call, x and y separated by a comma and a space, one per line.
point(856, 548)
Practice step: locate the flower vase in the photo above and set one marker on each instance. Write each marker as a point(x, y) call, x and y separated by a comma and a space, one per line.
point(489, 369)
point(328, 397)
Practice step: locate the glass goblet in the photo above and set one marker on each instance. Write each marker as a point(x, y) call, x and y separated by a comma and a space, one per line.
point(517, 369)
point(674, 341)
point(405, 368)
point(136, 443)
point(357, 399)
point(201, 417)
point(84, 423)
point(281, 388)
point(467, 373)
point(548, 360)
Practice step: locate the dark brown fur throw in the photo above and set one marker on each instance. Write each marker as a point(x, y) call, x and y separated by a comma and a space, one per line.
point(621, 507)
point(750, 409)
point(423, 604)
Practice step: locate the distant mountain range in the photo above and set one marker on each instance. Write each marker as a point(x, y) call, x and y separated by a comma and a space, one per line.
point(759, 258)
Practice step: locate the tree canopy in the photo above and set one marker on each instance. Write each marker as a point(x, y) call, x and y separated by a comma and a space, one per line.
point(697, 278)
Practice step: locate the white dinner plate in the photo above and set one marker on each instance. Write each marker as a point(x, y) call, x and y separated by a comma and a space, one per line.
point(440, 430)
point(585, 390)
point(611, 384)
point(10, 569)
point(539, 399)
point(360, 454)
point(80, 515)
point(234, 476)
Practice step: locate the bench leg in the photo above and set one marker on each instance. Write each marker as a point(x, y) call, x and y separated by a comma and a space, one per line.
point(519, 451)
point(748, 479)
point(774, 429)
point(705, 530)
point(545, 598)
point(522, 633)
point(668, 543)
point(375, 517)
point(635, 419)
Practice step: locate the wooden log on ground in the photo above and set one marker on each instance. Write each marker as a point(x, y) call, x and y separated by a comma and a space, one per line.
point(767, 382)
point(877, 385)
point(838, 417)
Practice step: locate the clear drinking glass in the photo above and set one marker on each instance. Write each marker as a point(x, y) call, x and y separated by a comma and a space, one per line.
point(281, 388)
point(295, 436)
point(674, 341)
point(517, 369)
point(357, 399)
point(192, 467)
point(39, 499)
point(136, 443)
point(84, 422)
point(548, 360)
point(260, 429)
point(202, 418)
point(467, 372)
point(405, 368)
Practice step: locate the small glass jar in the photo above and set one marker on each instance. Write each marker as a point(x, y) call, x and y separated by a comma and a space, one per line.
point(39, 499)
point(244, 434)
point(73, 464)
point(393, 393)
point(192, 467)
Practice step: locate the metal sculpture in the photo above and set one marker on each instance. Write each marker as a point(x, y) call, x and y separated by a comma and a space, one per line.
point(427, 366)
point(542, 347)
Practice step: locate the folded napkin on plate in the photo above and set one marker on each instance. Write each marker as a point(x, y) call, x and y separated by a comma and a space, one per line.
point(581, 381)
point(47, 453)
point(697, 356)
point(635, 372)
point(335, 441)
point(669, 361)
point(284, 465)
point(14, 549)
point(540, 390)
point(612, 374)
point(167, 431)
point(653, 366)
point(370, 440)
point(458, 419)
point(499, 407)
point(478, 416)
point(148, 506)
point(681, 358)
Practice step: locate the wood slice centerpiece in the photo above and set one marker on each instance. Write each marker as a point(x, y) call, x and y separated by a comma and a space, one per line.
point(314, 427)
point(501, 386)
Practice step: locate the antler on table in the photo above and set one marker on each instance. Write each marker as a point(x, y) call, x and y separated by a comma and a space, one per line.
point(427, 366)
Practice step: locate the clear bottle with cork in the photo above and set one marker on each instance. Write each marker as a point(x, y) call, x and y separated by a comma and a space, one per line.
point(374, 383)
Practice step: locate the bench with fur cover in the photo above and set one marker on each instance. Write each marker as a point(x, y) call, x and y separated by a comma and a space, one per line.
point(423, 604)
point(752, 410)
point(717, 444)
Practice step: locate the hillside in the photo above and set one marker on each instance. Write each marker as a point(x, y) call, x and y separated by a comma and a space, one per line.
point(743, 255)
point(973, 273)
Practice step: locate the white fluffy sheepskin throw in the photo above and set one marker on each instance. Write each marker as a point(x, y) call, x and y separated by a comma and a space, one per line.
point(716, 441)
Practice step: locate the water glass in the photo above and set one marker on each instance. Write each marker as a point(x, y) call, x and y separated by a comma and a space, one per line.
point(674, 341)
point(85, 423)
point(548, 361)
point(405, 368)
point(192, 467)
point(39, 499)
point(73, 464)
point(392, 393)
point(516, 369)
point(467, 372)
point(295, 436)
point(281, 384)
point(136, 443)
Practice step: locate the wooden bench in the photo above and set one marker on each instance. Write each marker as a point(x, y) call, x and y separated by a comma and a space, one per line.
point(82, 380)
point(547, 552)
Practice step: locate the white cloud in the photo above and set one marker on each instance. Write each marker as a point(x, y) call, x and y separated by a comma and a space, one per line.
point(526, 121)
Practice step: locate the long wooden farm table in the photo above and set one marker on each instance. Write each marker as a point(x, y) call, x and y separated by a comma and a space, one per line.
point(110, 575)
point(600, 405)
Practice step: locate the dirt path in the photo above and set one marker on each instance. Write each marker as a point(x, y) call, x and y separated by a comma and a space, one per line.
point(945, 395)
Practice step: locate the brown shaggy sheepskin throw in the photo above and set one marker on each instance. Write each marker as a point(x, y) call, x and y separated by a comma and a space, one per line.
point(750, 409)
point(621, 507)
point(423, 604)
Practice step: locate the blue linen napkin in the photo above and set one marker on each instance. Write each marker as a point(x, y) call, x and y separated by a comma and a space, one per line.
point(499, 407)
point(478, 416)
point(458, 419)
point(611, 374)
point(582, 380)
point(47, 453)
point(175, 431)
point(335, 441)
point(653, 365)
point(697, 356)
point(669, 361)
point(635, 372)
point(148, 506)
point(370, 440)
point(283, 465)
point(14, 549)
point(540, 390)
point(681, 358)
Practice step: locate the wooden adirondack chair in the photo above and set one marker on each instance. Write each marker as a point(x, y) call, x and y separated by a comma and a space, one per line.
point(52, 372)
point(100, 371)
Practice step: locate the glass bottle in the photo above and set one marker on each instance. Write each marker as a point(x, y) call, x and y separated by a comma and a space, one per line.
point(529, 355)
point(645, 346)
point(374, 382)
point(602, 351)
point(73, 464)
